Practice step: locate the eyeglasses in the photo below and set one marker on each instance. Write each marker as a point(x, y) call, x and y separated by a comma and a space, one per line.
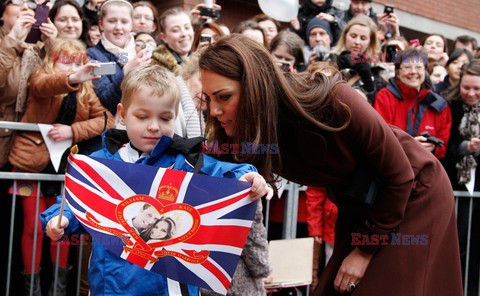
point(409, 68)
point(30, 3)
point(146, 17)
point(142, 44)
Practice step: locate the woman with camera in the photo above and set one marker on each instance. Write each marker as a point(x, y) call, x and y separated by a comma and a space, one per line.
point(462, 158)
point(409, 103)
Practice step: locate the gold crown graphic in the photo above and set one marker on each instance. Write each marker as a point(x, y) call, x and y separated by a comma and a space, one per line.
point(167, 192)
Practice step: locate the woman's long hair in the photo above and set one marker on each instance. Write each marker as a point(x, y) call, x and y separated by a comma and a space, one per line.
point(472, 68)
point(265, 90)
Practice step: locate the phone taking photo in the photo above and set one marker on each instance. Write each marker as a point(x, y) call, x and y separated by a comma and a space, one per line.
point(41, 16)
point(206, 38)
point(388, 8)
point(109, 68)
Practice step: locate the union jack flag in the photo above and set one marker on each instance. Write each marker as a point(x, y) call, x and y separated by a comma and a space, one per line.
point(213, 217)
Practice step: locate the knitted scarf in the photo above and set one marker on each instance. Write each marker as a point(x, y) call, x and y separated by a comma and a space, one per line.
point(469, 128)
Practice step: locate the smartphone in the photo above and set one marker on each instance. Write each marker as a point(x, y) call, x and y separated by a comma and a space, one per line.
point(109, 68)
point(150, 48)
point(41, 16)
point(210, 12)
point(391, 51)
point(388, 8)
point(206, 38)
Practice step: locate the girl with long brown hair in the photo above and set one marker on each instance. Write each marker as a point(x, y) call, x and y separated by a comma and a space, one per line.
point(385, 184)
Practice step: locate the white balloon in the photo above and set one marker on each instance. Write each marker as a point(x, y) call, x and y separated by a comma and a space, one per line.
point(280, 10)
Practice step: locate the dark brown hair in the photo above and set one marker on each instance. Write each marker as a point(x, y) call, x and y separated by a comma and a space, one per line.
point(263, 17)
point(266, 91)
point(472, 68)
point(85, 25)
point(249, 25)
point(445, 47)
point(292, 42)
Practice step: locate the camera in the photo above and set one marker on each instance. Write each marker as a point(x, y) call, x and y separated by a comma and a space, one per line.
point(388, 8)
point(206, 38)
point(285, 66)
point(431, 139)
point(210, 12)
point(390, 51)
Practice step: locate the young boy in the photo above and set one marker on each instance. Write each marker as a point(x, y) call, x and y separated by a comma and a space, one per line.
point(148, 109)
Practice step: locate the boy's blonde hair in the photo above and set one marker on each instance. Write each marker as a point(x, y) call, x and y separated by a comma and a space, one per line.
point(68, 51)
point(155, 80)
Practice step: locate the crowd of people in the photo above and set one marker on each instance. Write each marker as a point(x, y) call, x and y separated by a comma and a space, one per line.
point(351, 104)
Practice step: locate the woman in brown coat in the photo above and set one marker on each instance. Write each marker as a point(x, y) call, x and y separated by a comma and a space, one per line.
point(401, 242)
point(60, 94)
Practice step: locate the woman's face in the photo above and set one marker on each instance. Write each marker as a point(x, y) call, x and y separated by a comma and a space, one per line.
point(223, 95)
point(9, 16)
point(143, 20)
point(178, 33)
point(94, 34)
point(434, 45)
point(412, 74)
point(357, 39)
point(470, 89)
point(68, 22)
point(455, 67)
point(269, 29)
point(142, 40)
point(160, 230)
point(116, 24)
point(282, 54)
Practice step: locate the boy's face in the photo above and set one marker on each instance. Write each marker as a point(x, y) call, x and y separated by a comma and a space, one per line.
point(147, 118)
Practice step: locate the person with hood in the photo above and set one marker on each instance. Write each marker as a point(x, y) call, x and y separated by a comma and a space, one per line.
point(320, 9)
point(409, 103)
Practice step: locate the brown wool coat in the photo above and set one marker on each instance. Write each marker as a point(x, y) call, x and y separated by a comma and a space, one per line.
point(415, 198)
point(46, 95)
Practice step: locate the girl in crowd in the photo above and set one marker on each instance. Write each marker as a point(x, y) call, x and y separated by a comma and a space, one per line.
point(144, 39)
point(329, 136)
point(68, 18)
point(358, 45)
point(211, 29)
point(164, 228)
point(457, 59)
point(461, 161)
point(287, 48)
point(270, 27)
point(435, 45)
point(17, 61)
point(252, 30)
point(145, 17)
point(116, 45)
point(409, 103)
point(61, 94)
point(176, 31)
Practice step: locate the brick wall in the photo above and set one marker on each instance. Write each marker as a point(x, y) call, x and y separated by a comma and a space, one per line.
point(461, 13)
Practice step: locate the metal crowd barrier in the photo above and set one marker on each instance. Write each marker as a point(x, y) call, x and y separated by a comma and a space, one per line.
point(289, 225)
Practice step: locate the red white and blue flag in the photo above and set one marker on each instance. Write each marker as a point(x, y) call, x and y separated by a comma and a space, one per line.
point(212, 217)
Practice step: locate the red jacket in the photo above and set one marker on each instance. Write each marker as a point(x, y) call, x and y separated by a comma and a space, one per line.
point(415, 112)
point(321, 214)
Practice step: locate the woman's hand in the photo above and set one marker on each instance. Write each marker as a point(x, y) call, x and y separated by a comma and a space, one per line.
point(326, 17)
point(195, 16)
point(60, 132)
point(295, 23)
point(84, 73)
point(49, 32)
point(53, 231)
point(142, 58)
point(474, 145)
point(22, 26)
point(429, 146)
point(352, 270)
point(259, 186)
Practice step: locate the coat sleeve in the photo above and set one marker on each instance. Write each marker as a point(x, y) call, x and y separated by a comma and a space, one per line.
point(93, 126)
point(442, 127)
point(255, 251)
point(54, 210)
point(315, 210)
point(375, 141)
point(45, 86)
point(107, 87)
point(383, 105)
point(214, 167)
point(10, 50)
